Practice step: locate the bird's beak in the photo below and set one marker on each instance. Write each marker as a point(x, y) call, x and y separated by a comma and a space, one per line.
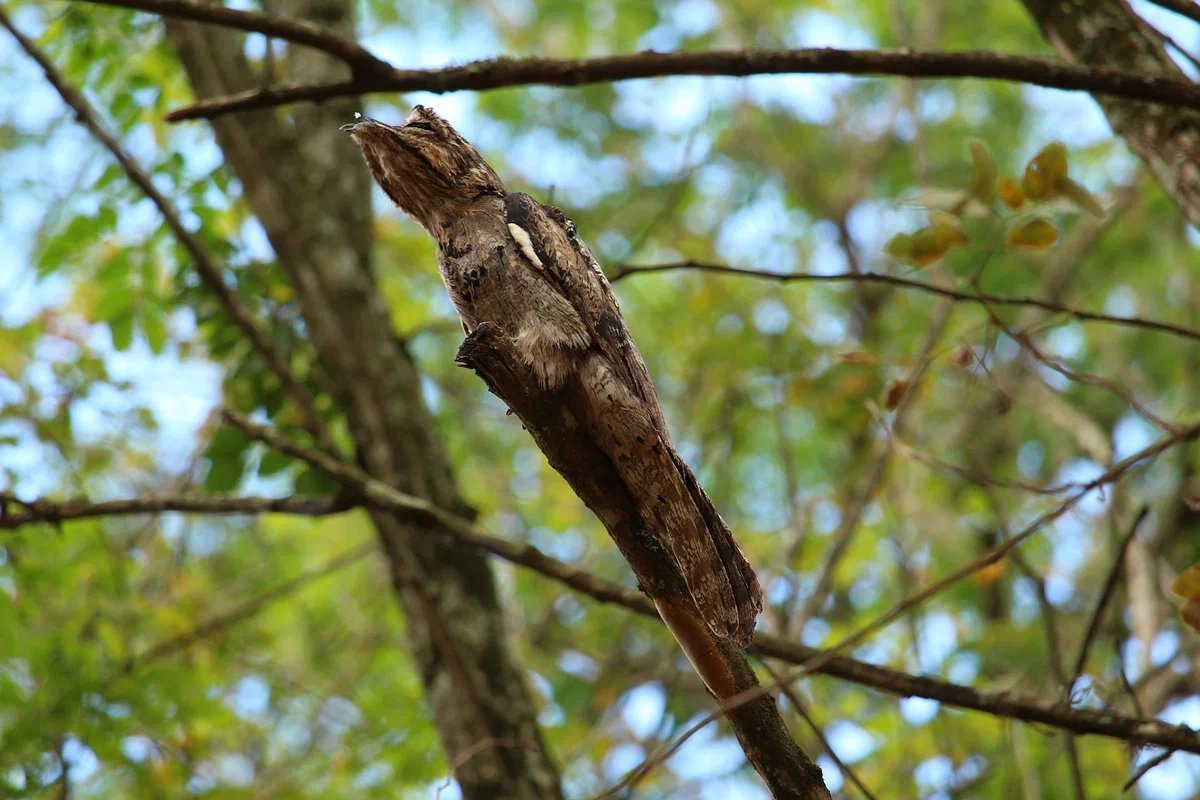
point(358, 120)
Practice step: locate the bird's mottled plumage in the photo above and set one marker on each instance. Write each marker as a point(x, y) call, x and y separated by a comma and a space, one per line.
point(509, 260)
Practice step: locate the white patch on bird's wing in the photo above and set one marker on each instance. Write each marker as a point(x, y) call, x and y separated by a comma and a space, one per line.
point(525, 243)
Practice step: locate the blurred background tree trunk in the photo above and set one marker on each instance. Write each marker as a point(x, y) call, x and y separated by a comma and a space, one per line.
point(302, 178)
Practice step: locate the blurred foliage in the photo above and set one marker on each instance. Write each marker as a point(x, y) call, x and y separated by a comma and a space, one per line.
point(784, 396)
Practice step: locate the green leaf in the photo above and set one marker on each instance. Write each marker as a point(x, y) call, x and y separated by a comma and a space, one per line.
point(900, 247)
point(115, 301)
point(226, 442)
point(121, 328)
point(273, 462)
point(224, 474)
point(314, 481)
point(155, 329)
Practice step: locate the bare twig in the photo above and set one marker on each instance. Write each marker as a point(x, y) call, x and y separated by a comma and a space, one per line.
point(1185, 8)
point(360, 61)
point(502, 72)
point(915, 600)
point(810, 660)
point(15, 513)
point(848, 525)
point(1149, 765)
point(1002, 704)
point(1110, 586)
point(207, 268)
point(798, 706)
point(1026, 342)
point(982, 298)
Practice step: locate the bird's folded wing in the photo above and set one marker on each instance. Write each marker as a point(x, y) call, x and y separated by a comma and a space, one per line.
point(565, 260)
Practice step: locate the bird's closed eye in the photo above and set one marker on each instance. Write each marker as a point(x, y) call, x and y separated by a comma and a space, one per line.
point(425, 126)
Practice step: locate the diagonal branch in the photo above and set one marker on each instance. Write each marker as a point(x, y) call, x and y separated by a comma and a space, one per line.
point(960, 295)
point(206, 266)
point(829, 662)
point(497, 73)
point(916, 599)
point(1001, 704)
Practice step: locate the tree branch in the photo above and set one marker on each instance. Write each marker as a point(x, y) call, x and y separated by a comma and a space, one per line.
point(358, 58)
point(1184, 8)
point(205, 266)
point(1001, 704)
point(498, 73)
point(918, 598)
point(982, 298)
point(15, 513)
point(1082, 721)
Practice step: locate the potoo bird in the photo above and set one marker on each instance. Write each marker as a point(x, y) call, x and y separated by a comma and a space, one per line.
point(509, 260)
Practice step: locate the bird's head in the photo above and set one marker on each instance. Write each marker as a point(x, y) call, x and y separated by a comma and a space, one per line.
point(425, 166)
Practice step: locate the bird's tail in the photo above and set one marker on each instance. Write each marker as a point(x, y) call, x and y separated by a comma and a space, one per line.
point(674, 505)
point(747, 593)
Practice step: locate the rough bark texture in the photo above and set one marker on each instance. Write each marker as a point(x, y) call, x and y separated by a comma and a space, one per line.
point(760, 729)
point(1107, 33)
point(315, 210)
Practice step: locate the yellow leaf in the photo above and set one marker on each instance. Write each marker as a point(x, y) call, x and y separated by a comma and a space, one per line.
point(931, 242)
point(928, 244)
point(1081, 197)
point(1045, 172)
point(899, 247)
point(983, 171)
point(1187, 585)
point(1032, 234)
point(988, 575)
point(1011, 194)
point(1190, 613)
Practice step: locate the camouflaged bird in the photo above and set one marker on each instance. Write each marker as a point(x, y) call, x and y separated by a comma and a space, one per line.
point(511, 261)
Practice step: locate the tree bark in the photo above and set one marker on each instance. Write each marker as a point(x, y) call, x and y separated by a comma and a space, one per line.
point(1107, 33)
point(298, 179)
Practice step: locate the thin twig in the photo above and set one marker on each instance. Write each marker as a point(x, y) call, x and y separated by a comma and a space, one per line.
point(625, 270)
point(1026, 342)
point(849, 523)
point(207, 268)
point(798, 706)
point(1149, 765)
point(914, 600)
point(1185, 8)
point(1110, 586)
point(1001, 704)
point(15, 513)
